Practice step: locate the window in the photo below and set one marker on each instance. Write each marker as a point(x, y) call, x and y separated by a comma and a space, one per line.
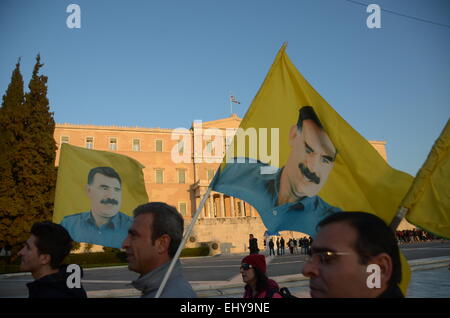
point(159, 145)
point(136, 145)
point(209, 148)
point(181, 176)
point(64, 139)
point(182, 206)
point(89, 142)
point(113, 143)
point(181, 146)
point(159, 176)
point(210, 174)
point(239, 206)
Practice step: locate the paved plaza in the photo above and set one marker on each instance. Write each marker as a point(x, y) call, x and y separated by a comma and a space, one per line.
point(219, 276)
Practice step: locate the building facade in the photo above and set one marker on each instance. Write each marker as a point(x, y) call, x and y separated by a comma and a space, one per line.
point(179, 165)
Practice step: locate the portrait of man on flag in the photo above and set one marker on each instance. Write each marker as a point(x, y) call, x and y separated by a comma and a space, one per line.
point(96, 192)
point(104, 223)
point(287, 197)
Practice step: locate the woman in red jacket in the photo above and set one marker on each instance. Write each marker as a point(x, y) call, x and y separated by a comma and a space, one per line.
point(258, 285)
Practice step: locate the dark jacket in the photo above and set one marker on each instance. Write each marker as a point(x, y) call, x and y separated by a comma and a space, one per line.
point(253, 246)
point(392, 292)
point(54, 286)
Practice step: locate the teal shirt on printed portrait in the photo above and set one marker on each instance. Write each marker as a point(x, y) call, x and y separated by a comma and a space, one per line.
point(258, 183)
point(82, 228)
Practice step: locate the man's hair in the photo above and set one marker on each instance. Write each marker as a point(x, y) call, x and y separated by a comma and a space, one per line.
point(106, 171)
point(52, 239)
point(166, 220)
point(373, 237)
point(307, 112)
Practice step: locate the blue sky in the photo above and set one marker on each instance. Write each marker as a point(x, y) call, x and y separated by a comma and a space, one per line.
point(166, 63)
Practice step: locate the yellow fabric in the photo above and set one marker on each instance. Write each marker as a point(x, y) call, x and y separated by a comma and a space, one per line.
point(428, 200)
point(361, 180)
point(406, 274)
point(74, 166)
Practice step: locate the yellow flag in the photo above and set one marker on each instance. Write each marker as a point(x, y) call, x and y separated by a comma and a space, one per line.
point(96, 193)
point(346, 174)
point(303, 161)
point(428, 200)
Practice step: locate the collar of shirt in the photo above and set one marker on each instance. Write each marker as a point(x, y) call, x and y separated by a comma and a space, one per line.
point(273, 185)
point(150, 282)
point(113, 222)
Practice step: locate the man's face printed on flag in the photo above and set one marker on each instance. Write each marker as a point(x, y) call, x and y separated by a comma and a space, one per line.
point(105, 194)
point(311, 159)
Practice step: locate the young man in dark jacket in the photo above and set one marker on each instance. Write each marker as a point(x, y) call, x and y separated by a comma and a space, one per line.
point(42, 255)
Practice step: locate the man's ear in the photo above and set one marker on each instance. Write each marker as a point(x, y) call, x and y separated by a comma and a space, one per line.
point(45, 259)
point(163, 243)
point(292, 134)
point(384, 261)
point(88, 189)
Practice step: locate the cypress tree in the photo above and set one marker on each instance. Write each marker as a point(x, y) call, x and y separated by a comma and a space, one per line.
point(32, 161)
point(11, 128)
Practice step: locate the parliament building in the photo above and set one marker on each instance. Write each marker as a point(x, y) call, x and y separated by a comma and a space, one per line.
point(225, 222)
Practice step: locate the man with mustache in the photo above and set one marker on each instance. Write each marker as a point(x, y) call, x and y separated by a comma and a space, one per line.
point(103, 224)
point(286, 198)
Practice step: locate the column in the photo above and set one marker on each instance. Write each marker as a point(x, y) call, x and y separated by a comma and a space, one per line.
point(203, 213)
point(222, 206)
point(211, 206)
point(232, 207)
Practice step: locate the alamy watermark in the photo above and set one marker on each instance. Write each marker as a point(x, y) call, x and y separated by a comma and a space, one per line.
point(374, 279)
point(74, 279)
point(73, 21)
point(374, 19)
point(212, 145)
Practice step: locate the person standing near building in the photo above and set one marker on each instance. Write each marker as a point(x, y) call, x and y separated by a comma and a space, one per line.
point(271, 249)
point(282, 245)
point(253, 244)
point(42, 255)
point(291, 246)
point(278, 246)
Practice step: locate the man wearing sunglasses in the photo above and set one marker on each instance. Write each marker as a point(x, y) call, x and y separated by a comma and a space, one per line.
point(346, 244)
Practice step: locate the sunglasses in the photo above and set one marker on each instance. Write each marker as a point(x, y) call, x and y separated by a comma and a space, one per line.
point(246, 267)
point(325, 257)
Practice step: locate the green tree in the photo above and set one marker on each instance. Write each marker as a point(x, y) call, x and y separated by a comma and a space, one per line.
point(31, 158)
point(11, 132)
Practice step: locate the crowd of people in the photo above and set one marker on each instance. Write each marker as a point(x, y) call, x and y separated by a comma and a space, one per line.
point(414, 235)
point(295, 246)
point(156, 234)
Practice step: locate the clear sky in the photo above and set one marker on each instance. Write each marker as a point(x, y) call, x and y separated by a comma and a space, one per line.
point(166, 63)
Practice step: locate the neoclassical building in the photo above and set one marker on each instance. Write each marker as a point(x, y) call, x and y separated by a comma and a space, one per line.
point(224, 220)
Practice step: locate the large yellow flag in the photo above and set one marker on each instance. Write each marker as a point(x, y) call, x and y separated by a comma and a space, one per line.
point(304, 161)
point(96, 193)
point(428, 200)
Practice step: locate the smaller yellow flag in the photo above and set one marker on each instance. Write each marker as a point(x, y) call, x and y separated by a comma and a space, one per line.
point(96, 193)
point(428, 199)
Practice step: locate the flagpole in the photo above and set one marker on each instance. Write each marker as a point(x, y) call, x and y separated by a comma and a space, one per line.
point(401, 213)
point(231, 104)
point(185, 237)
